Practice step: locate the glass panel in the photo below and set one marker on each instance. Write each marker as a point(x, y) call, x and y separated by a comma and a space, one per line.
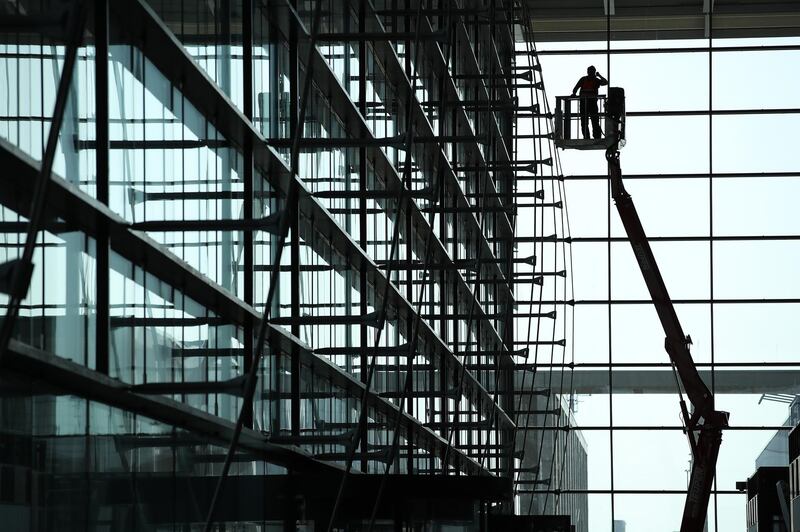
point(668, 207)
point(592, 344)
point(767, 85)
point(590, 270)
point(207, 32)
point(684, 266)
point(635, 467)
point(685, 90)
point(59, 312)
point(587, 203)
point(158, 335)
point(666, 145)
point(655, 512)
point(754, 143)
point(756, 270)
point(756, 206)
point(638, 335)
point(756, 332)
point(30, 83)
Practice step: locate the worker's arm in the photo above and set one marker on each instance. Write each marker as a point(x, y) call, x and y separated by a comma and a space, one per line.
point(577, 86)
point(603, 81)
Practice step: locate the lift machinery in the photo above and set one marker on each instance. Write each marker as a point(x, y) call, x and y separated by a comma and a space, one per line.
point(703, 424)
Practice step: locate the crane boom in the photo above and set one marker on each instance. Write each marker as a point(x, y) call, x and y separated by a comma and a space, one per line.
point(705, 424)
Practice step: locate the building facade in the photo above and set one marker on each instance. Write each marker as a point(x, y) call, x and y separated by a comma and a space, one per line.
point(258, 262)
point(555, 459)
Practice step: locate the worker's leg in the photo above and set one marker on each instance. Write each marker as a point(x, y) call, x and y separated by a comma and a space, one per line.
point(595, 114)
point(584, 118)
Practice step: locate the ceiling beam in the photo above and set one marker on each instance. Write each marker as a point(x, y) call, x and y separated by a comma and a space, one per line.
point(588, 21)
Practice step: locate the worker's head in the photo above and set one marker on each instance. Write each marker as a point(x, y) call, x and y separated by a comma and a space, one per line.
point(591, 71)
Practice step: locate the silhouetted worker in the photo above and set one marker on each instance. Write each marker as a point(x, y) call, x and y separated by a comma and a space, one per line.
point(589, 85)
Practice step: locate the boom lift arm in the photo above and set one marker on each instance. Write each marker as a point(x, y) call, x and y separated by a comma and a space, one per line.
point(705, 424)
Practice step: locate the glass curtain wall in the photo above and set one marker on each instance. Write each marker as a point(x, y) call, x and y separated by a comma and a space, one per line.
point(169, 236)
point(709, 163)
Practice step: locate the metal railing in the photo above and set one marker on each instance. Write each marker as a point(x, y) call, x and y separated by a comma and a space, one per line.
point(574, 122)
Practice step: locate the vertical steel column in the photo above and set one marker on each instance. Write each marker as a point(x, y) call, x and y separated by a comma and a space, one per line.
point(248, 203)
point(610, 313)
point(224, 53)
point(510, 197)
point(407, 220)
point(710, 18)
point(101, 337)
point(274, 129)
point(450, 293)
point(348, 187)
point(294, 265)
point(362, 215)
point(101, 42)
point(508, 200)
point(294, 245)
point(449, 113)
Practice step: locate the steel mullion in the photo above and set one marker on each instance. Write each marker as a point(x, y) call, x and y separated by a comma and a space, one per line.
point(362, 225)
point(415, 38)
point(102, 266)
point(298, 99)
point(710, 19)
point(248, 203)
point(781, 363)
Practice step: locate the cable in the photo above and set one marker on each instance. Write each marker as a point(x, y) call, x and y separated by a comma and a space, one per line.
point(536, 143)
point(567, 260)
point(531, 53)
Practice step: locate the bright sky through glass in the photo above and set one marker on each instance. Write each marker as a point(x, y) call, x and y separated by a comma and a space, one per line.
point(744, 206)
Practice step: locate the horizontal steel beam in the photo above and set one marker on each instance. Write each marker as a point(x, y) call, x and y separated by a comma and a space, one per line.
point(662, 381)
point(84, 382)
point(639, 21)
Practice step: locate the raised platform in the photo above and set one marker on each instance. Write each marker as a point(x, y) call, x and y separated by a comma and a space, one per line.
point(584, 144)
